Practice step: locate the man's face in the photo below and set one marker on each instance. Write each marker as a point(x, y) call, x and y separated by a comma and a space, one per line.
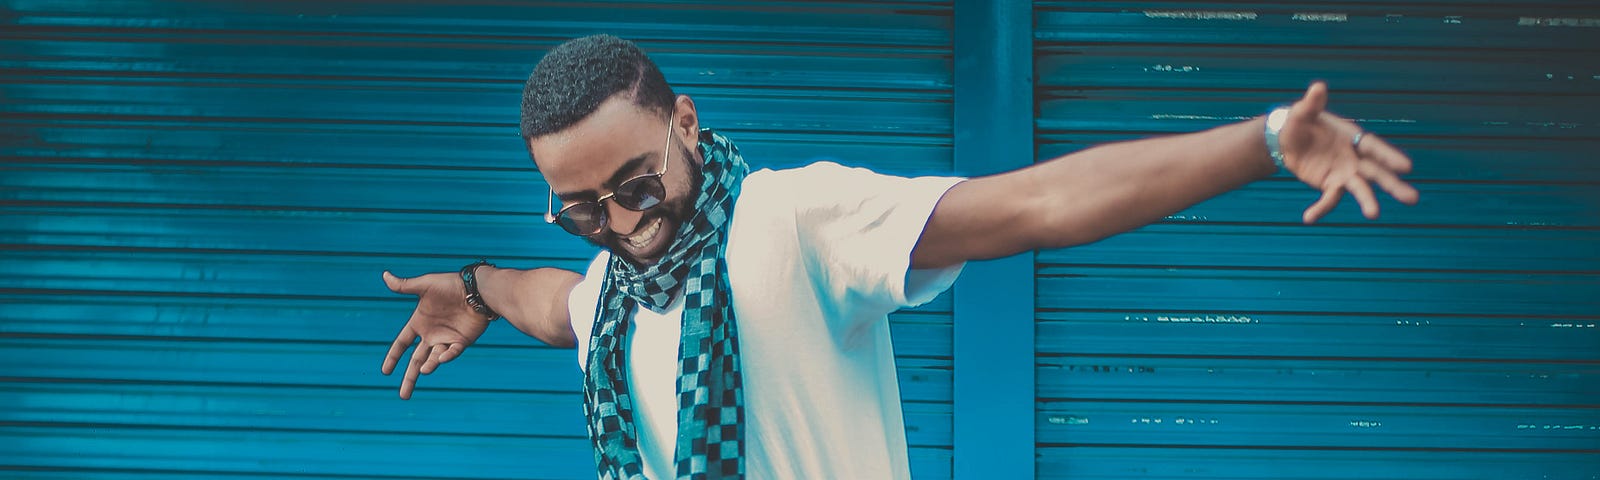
point(617, 142)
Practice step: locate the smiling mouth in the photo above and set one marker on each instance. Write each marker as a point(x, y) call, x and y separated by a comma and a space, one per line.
point(643, 238)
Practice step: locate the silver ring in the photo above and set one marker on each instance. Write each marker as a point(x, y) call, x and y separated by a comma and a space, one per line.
point(1355, 143)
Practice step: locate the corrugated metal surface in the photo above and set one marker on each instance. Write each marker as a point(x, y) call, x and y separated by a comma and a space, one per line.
point(198, 197)
point(1456, 339)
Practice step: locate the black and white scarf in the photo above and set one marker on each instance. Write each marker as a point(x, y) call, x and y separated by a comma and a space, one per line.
point(710, 442)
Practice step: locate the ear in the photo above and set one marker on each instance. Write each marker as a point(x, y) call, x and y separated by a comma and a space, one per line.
point(686, 122)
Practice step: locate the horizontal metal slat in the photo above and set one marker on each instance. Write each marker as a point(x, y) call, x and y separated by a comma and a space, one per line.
point(244, 408)
point(1318, 426)
point(1324, 24)
point(339, 364)
point(1480, 160)
point(453, 104)
point(1353, 246)
point(886, 23)
point(919, 334)
point(1172, 463)
point(220, 145)
point(1207, 289)
point(1222, 378)
point(1153, 331)
point(286, 453)
point(262, 275)
point(1289, 70)
point(1390, 114)
point(398, 59)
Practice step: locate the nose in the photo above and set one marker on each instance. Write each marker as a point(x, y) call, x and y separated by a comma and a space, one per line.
point(623, 221)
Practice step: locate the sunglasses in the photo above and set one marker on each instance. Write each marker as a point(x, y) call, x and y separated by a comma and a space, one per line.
point(638, 194)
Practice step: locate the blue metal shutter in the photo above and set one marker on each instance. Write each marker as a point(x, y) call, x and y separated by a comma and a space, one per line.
point(1456, 339)
point(198, 198)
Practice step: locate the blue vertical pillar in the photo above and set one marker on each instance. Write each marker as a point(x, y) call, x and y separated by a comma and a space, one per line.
point(994, 386)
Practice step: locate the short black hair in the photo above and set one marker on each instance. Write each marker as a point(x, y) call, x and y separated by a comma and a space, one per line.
point(573, 79)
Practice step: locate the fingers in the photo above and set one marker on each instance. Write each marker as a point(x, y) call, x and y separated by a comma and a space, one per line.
point(400, 285)
point(1368, 201)
point(435, 353)
point(398, 349)
point(413, 368)
point(1330, 199)
point(1389, 182)
point(1312, 105)
point(1376, 148)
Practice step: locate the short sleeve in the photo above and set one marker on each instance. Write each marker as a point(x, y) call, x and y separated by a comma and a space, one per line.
point(582, 302)
point(857, 229)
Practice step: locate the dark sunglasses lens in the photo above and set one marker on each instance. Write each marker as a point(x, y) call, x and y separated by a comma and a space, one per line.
point(640, 193)
point(582, 219)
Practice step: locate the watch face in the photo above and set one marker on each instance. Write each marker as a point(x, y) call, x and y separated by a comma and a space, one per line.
point(1276, 119)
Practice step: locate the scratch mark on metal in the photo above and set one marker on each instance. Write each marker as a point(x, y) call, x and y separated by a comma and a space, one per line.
point(1558, 22)
point(1320, 17)
point(1200, 15)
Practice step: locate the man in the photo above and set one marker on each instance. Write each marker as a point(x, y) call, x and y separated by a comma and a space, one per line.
point(735, 324)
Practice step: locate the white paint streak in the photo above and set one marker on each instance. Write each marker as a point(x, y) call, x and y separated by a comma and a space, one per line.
point(1200, 15)
point(1171, 116)
point(1558, 22)
point(1321, 17)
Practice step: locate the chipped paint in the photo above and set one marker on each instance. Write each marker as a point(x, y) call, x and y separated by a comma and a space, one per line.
point(1171, 68)
point(1557, 426)
point(1320, 17)
point(1207, 319)
point(1200, 15)
point(1558, 22)
point(1067, 420)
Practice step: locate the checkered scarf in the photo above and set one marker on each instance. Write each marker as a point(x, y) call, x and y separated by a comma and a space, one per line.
point(710, 392)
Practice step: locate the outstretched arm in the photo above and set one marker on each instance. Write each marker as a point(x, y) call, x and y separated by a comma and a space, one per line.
point(1095, 193)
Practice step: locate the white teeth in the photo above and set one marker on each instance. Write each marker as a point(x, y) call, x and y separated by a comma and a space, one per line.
point(642, 238)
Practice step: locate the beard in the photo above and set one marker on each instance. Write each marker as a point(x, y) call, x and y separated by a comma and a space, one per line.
point(674, 212)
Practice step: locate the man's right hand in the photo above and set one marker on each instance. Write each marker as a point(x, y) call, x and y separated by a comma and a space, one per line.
point(442, 320)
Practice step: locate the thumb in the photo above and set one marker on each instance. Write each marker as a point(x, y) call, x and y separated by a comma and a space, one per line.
point(397, 284)
point(1312, 105)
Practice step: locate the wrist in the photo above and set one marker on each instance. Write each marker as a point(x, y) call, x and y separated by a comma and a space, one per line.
point(1272, 131)
point(470, 281)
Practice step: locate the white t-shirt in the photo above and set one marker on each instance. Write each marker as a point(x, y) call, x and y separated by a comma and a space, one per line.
point(817, 258)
